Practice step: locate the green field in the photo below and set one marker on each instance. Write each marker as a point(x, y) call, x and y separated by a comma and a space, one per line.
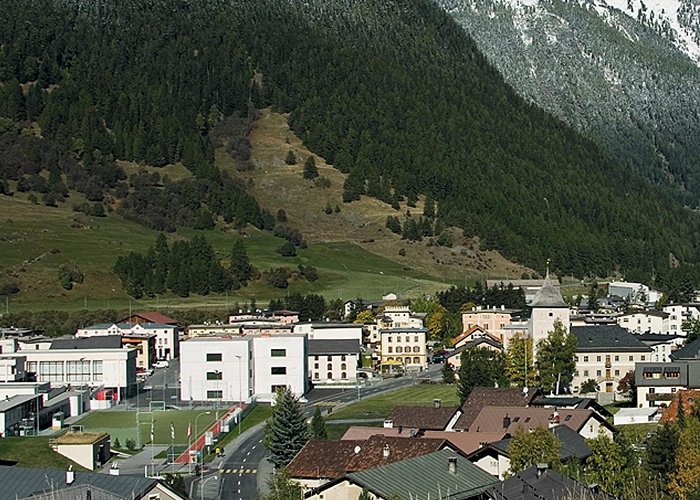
point(379, 406)
point(33, 452)
point(122, 424)
point(35, 240)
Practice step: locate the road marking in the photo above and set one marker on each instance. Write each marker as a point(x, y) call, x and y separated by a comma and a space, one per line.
point(239, 483)
point(255, 471)
point(253, 447)
point(247, 454)
point(244, 459)
point(260, 441)
point(228, 471)
point(239, 492)
point(247, 471)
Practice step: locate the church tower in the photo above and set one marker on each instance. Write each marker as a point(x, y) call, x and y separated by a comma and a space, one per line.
point(548, 306)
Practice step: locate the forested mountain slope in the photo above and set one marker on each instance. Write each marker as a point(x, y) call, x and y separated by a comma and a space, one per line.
point(394, 93)
point(617, 70)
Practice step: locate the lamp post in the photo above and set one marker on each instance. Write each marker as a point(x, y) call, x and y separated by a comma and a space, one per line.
point(240, 396)
point(202, 482)
point(195, 426)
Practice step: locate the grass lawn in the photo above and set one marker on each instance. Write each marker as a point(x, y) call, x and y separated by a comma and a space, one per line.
point(122, 424)
point(33, 452)
point(380, 406)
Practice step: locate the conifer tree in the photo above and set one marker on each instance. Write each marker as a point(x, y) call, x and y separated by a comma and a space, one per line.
point(241, 267)
point(286, 431)
point(318, 425)
point(290, 159)
point(310, 169)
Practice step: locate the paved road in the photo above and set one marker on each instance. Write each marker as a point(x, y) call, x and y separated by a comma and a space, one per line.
point(240, 470)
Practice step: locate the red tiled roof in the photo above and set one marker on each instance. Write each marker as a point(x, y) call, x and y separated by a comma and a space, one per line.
point(422, 417)
point(372, 452)
point(481, 397)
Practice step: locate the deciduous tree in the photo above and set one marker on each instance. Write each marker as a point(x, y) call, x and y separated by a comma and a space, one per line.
point(518, 357)
point(531, 448)
point(480, 367)
point(556, 360)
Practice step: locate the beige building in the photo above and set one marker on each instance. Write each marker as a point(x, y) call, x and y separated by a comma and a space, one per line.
point(404, 347)
point(333, 361)
point(606, 354)
point(494, 321)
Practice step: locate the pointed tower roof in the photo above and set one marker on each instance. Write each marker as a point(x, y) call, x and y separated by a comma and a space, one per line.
point(548, 295)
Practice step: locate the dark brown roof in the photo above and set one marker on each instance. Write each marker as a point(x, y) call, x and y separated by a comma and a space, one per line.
point(510, 418)
point(149, 317)
point(333, 459)
point(372, 451)
point(323, 459)
point(481, 397)
point(422, 417)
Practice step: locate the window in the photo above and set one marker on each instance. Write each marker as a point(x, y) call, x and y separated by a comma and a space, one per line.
point(388, 339)
point(415, 339)
point(214, 356)
point(617, 373)
point(551, 314)
point(316, 358)
point(617, 358)
point(278, 370)
point(585, 359)
point(343, 375)
point(277, 387)
point(389, 350)
point(342, 358)
point(329, 375)
point(215, 394)
point(97, 370)
point(343, 366)
point(416, 360)
point(316, 366)
point(330, 366)
point(673, 389)
point(567, 418)
point(50, 371)
point(416, 349)
point(644, 357)
point(652, 390)
point(598, 373)
point(329, 358)
point(585, 373)
point(217, 375)
point(399, 349)
point(597, 358)
point(278, 353)
point(315, 376)
point(77, 371)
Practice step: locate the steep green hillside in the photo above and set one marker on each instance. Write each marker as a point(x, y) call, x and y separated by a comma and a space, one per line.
point(392, 93)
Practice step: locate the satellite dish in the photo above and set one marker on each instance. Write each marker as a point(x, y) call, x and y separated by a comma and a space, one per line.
point(357, 450)
point(525, 390)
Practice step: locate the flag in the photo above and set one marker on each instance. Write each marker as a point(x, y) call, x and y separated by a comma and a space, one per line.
point(152, 433)
point(189, 430)
point(172, 430)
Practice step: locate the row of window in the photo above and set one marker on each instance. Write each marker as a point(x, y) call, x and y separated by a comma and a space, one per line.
point(329, 366)
point(407, 359)
point(660, 375)
point(398, 339)
point(598, 373)
point(607, 358)
point(275, 370)
point(66, 371)
point(399, 349)
point(274, 353)
point(343, 376)
point(330, 358)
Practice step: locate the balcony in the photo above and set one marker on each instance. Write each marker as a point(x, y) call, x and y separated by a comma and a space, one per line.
point(660, 397)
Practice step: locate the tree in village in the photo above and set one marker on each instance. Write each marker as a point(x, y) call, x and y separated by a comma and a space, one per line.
point(480, 367)
point(589, 385)
point(448, 373)
point(531, 448)
point(310, 169)
point(318, 425)
point(685, 480)
point(519, 360)
point(661, 451)
point(286, 431)
point(691, 328)
point(282, 487)
point(556, 361)
point(364, 317)
point(610, 465)
point(627, 387)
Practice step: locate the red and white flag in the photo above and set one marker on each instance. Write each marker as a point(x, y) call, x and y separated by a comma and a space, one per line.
point(189, 430)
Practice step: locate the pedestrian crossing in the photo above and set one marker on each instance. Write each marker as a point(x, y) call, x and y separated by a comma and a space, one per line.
point(239, 471)
point(325, 403)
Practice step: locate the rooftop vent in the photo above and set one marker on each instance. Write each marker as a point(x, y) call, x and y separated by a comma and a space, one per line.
point(452, 465)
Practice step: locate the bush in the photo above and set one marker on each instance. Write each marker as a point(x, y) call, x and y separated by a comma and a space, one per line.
point(291, 159)
point(130, 444)
point(117, 444)
point(322, 182)
point(9, 288)
point(287, 250)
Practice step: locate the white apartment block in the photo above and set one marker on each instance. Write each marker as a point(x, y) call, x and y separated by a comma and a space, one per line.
point(634, 293)
point(235, 368)
point(12, 368)
point(167, 341)
point(644, 321)
point(333, 361)
point(679, 314)
point(404, 346)
point(330, 331)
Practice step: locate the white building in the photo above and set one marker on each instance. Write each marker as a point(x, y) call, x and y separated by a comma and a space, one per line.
point(12, 368)
point(548, 308)
point(644, 321)
point(235, 368)
point(664, 345)
point(333, 361)
point(679, 314)
point(634, 293)
point(167, 340)
point(330, 331)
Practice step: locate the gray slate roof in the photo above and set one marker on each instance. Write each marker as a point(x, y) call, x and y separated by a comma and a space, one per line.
point(690, 351)
point(23, 482)
point(325, 347)
point(550, 485)
point(548, 295)
point(409, 478)
point(610, 338)
point(572, 444)
point(96, 342)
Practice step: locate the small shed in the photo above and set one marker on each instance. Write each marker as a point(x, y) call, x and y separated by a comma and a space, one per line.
point(88, 449)
point(628, 416)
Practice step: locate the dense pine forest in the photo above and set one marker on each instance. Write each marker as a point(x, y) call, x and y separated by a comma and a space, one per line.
point(392, 92)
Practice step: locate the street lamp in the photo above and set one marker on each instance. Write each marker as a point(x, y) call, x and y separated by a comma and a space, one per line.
point(195, 426)
point(240, 396)
point(202, 482)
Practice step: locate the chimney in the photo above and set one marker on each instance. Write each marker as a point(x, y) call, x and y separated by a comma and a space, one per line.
point(541, 469)
point(400, 428)
point(385, 452)
point(437, 403)
point(388, 424)
point(555, 419)
point(506, 421)
point(452, 465)
point(70, 475)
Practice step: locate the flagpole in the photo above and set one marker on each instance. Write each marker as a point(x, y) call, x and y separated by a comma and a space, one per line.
point(172, 448)
point(152, 439)
point(189, 448)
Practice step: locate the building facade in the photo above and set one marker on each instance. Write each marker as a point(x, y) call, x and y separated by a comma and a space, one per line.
point(404, 347)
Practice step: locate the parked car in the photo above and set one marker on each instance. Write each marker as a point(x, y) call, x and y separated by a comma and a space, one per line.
point(161, 363)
